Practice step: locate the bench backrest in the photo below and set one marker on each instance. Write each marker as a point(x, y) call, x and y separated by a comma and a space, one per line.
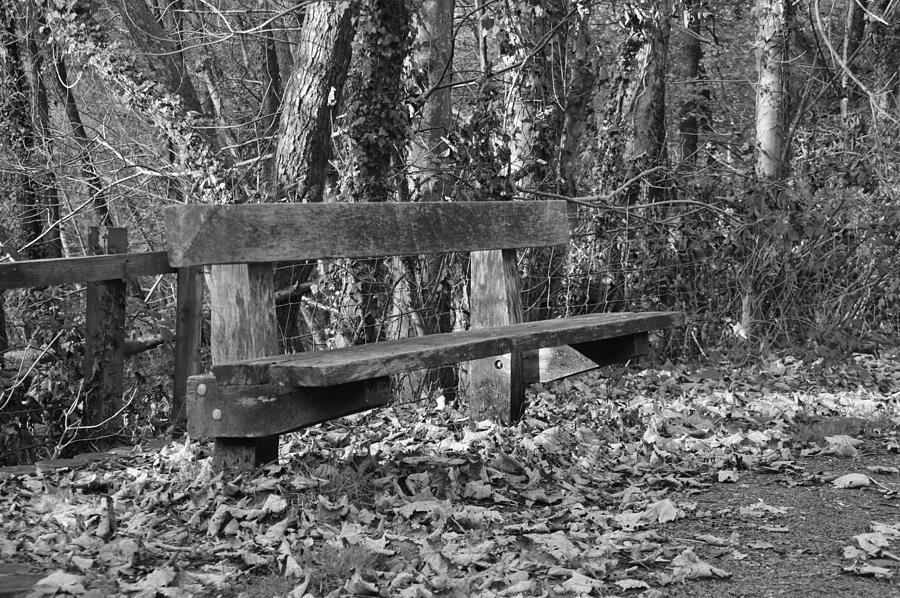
point(258, 233)
point(240, 242)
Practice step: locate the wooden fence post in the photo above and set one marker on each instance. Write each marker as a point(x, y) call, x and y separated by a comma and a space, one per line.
point(188, 319)
point(104, 338)
point(496, 386)
point(242, 326)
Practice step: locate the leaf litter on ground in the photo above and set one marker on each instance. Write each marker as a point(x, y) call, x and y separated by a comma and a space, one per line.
point(412, 501)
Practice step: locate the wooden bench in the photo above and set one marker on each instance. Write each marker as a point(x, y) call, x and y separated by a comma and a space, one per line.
point(254, 394)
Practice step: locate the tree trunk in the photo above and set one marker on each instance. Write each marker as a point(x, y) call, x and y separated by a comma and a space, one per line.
point(433, 55)
point(377, 134)
point(49, 196)
point(4, 339)
point(377, 122)
point(772, 47)
point(632, 136)
point(92, 176)
point(632, 133)
point(433, 51)
point(180, 115)
point(164, 62)
point(690, 75)
point(21, 130)
point(270, 74)
point(854, 28)
point(772, 34)
point(579, 94)
point(311, 100)
point(534, 119)
point(886, 40)
point(649, 117)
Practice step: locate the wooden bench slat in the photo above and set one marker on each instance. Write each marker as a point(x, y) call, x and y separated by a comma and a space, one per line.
point(363, 362)
point(255, 233)
point(263, 410)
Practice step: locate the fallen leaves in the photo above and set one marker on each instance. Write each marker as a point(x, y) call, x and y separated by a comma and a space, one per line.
point(870, 556)
point(851, 480)
point(688, 565)
point(580, 498)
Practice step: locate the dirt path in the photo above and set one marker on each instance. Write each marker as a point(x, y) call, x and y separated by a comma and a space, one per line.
point(786, 531)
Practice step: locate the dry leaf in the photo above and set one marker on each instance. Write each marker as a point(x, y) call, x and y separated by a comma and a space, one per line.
point(851, 480)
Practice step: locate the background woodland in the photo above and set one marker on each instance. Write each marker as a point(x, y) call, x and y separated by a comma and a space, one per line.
point(731, 159)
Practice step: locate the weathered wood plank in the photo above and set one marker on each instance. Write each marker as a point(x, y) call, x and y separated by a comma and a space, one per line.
point(242, 326)
point(496, 387)
point(261, 411)
point(188, 320)
point(553, 363)
point(104, 339)
point(93, 268)
point(329, 368)
point(201, 234)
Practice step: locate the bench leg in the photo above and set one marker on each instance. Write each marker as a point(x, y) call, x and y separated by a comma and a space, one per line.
point(244, 454)
point(242, 326)
point(245, 420)
point(496, 391)
point(497, 388)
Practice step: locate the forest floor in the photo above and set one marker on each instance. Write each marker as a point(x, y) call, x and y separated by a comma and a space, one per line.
point(773, 479)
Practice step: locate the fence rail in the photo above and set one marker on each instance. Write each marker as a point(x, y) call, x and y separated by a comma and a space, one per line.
point(90, 268)
point(105, 334)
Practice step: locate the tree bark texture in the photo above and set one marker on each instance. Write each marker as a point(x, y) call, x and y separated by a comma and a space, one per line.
point(633, 130)
point(433, 57)
point(648, 142)
point(163, 58)
point(311, 100)
point(377, 118)
point(854, 29)
point(24, 128)
point(270, 107)
point(772, 35)
point(690, 74)
point(579, 93)
point(104, 361)
point(537, 91)
point(91, 175)
point(886, 40)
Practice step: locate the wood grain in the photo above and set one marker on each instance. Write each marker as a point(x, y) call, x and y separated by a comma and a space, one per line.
point(261, 411)
point(104, 338)
point(242, 312)
point(242, 326)
point(94, 268)
point(553, 363)
point(329, 368)
point(202, 234)
point(495, 387)
point(188, 321)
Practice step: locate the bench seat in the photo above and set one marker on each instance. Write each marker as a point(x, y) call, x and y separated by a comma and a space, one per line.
point(365, 362)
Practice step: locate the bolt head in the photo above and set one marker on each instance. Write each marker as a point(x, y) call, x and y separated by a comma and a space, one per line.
point(217, 414)
point(498, 364)
point(201, 389)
